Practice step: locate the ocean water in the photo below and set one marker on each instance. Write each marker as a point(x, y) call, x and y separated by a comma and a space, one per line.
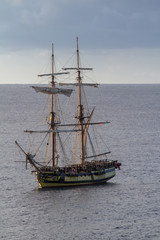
point(127, 207)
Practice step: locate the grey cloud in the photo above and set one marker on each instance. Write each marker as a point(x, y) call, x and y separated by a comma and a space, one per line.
point(99, 23)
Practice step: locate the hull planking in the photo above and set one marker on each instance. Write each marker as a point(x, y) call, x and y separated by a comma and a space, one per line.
point(50, 180)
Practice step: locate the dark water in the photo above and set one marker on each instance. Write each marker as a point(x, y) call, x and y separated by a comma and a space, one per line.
point(127, 207)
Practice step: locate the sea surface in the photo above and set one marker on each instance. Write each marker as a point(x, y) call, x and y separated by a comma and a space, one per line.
point(127, 207)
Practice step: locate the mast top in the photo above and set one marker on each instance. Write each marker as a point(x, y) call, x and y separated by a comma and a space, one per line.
point(78, 60)
point(52, 60)
point(78, 68)
point(52, 49)
point(77, 44)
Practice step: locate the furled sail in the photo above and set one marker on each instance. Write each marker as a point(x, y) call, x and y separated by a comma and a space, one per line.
point(52, 131)
point(49, 90)
point(79, 124)
point(77, 68)
point(101, 154)
point(52, 74)
point(79, 84)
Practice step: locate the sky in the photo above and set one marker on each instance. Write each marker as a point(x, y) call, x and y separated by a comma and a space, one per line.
point(120, 39)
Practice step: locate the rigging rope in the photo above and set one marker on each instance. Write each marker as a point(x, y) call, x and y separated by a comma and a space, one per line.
point(46, 152)
point(93, 149)
point(40, 144)
point(74, 152)
point(63, 151)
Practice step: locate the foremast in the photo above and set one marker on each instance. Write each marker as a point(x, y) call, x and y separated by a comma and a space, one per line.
point(52, 90)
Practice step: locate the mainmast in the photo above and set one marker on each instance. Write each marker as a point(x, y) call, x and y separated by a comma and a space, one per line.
point(53, 134)
point(80, 106)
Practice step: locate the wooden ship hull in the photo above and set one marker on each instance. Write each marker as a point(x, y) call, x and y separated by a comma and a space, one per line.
point(50, 180)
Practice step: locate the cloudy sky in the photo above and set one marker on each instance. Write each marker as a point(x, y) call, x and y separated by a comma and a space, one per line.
point(119, 38)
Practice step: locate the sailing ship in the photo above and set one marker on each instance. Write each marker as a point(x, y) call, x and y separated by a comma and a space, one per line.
point(86, 168)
